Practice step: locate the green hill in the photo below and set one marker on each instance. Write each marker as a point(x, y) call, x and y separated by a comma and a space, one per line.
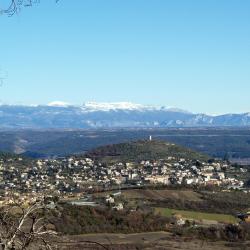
point(143, 150)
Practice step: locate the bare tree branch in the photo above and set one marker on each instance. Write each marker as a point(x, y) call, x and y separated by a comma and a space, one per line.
point(20, 227)
point(16, 5)
point(24, 227)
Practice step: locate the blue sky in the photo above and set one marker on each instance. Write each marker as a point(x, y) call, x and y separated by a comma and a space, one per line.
point(189, 54)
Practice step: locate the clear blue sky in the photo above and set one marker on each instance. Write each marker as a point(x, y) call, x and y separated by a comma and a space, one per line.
point(191, 54)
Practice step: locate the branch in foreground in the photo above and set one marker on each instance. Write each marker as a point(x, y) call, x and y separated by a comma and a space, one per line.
point(16, 5)
point(22, 226)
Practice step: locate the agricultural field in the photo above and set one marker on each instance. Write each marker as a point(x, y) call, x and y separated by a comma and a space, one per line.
point(213, 202)
point(198, 216)
point(162, 194)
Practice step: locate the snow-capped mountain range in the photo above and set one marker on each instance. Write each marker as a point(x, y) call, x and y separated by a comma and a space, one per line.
point(108, 106)
point(110, 115)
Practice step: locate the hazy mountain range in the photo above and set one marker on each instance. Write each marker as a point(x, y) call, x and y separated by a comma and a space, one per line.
point(110, 115)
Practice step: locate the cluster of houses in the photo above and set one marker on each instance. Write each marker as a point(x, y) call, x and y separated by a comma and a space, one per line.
point(187, 172)
point(74, 174)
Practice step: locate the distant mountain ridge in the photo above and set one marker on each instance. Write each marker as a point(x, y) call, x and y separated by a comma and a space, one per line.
point(110, 115)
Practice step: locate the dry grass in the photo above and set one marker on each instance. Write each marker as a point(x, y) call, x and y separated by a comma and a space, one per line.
point(146, 241)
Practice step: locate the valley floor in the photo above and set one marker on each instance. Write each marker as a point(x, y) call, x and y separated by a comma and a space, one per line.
point(146, 241)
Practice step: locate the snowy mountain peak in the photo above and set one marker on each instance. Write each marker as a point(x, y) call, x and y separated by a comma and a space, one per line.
point(59, 114)
point(115, 106)
point(104, 106)
point(129, 106)
point(58, 104)
point(173, 109)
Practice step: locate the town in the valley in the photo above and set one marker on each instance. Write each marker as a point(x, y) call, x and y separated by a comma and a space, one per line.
point(26, 180)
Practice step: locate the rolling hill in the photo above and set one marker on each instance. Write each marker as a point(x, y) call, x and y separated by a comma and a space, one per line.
point(143, 150)
point(216, 143)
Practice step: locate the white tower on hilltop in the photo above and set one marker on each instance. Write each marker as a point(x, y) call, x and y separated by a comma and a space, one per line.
point(150, 138)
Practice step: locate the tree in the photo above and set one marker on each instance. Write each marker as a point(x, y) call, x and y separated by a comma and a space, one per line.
point(16, 5)
point(21, 226)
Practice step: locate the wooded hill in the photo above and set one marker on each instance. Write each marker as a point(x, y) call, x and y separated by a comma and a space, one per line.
point(143, 150)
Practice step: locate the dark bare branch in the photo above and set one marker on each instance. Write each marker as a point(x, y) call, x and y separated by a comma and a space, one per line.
point(16, 5)
point(21, 226)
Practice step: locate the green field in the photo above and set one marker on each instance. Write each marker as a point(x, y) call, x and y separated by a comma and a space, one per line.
point(197, 215)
